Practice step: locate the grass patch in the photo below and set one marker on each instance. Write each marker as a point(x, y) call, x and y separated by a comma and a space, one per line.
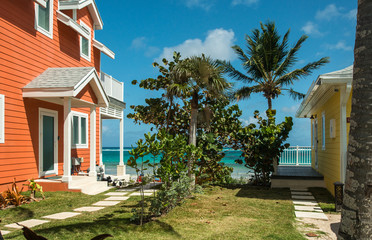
point(325, 199)
point(220, 213)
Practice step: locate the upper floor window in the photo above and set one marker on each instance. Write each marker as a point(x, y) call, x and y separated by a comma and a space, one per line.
point(79, 130)
point(2, 118)
point(44, 18)
point(85, 47)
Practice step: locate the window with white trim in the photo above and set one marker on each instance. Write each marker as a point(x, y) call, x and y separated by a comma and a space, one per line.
point(44, 18)
point(323, 131)
point(79, 130)
point(2, 118)
point(85, 44)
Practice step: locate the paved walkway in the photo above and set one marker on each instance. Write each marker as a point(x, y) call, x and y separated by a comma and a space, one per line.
point(305, 205)
point(112, 199)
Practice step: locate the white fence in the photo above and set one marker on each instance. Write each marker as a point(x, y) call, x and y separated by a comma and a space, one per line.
point(112, 87)
point(298, 156)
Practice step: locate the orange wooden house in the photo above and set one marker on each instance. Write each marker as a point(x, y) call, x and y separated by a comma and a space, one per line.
point(53, 95)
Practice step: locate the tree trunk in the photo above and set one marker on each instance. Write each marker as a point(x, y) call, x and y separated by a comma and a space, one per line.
point(269, 103)
point(356, 215)
point(193, 127)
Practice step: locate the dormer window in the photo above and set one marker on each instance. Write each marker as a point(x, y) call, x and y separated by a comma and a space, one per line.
point(85, 43)
point(44, 18)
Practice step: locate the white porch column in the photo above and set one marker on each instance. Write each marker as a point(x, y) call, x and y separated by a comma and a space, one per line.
point(66, 140)
point(100, 140)
point(344, 97)
point(121, 167)
point(93, 149)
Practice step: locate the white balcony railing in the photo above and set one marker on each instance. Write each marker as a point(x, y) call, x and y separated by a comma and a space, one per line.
point(298, 156)
point(113, 87)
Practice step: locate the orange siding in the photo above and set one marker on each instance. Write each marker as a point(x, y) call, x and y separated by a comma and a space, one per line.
point(87, 94)
point(25, 54)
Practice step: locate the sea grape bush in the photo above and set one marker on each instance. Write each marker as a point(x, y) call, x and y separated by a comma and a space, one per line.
point(261, 147)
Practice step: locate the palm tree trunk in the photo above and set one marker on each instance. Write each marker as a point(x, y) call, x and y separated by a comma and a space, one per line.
point(269, 103)
point(356, 215)
point(193, 127)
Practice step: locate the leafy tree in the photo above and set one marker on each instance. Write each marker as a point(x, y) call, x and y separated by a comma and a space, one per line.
point(356, 215)
point(267, 62)
point(200, 75)
point(261, 147)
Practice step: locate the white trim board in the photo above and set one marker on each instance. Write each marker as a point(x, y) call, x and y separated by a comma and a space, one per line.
point(2, 118)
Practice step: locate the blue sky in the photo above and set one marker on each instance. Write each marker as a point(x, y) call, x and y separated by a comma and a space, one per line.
point(140, 32)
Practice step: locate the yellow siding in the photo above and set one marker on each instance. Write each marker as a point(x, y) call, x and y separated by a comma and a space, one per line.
point(329, 158)
point(348, 111)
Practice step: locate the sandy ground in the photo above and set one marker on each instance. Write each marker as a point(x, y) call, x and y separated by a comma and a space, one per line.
point(325, 230)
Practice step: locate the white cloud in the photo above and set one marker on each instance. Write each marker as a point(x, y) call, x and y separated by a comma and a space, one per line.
point(311, 29)
point(291, 109)
point(140, 43)
point(331, 11)
point(251, 120)
point(340, 45)
point(217, 45)
point(352, 14)
point(203, 4)
point(244, 2)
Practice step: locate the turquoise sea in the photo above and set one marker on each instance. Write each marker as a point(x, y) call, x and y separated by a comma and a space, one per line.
point(111, 156)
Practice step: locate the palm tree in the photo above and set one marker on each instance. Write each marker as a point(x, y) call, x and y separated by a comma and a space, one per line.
point(267, 62)
point(201, 75)
point(356, 215)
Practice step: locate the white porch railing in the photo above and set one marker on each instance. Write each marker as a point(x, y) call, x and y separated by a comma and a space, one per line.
point(113, 87)
point(297, 156)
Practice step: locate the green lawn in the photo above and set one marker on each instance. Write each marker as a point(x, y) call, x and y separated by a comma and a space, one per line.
point(325, 199)
point(220, 213)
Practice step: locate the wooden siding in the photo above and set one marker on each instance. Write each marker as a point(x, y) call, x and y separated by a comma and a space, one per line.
point(25, 54)
point(87, 94)
point(329, 158)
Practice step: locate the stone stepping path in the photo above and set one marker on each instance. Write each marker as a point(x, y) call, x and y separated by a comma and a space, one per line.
point(3, 232)
point(28, 223)
point(139, 194)
point(88, 209)
point(106, 203)
point(115, 198)
point(116, 194)
point(62, 215)
point(305, 205)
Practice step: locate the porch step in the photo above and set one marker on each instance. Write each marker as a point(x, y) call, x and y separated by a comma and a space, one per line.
point(88, 185)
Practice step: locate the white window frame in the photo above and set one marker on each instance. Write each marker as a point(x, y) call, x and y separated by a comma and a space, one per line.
point(2, 118)
point(323, 131)
point(80, 115)
point(51, 17)
point(88, 58)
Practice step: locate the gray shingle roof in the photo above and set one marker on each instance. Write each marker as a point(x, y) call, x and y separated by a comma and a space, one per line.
point(59, 77)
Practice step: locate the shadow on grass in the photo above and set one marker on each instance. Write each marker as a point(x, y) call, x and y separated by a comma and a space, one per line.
point(21, 211)
point(115, 226)
point(264, 193)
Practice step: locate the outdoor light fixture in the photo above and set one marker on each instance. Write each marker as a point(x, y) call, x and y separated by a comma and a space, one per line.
point(312, 117)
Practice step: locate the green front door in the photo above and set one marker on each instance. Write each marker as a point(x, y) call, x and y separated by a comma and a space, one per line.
point(48, 143)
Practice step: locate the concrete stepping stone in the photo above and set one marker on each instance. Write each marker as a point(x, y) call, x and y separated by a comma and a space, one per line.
point(28, 223)
point(139, 194)
point(127, 189)
point(62, 215)
point(305, 202)
point(88, 209)
point(308, 208)
point(3, 232)
point(303, 197)
point(115, 198)
point(299, 189)
point(302, 193)
point(315, 215)
point(116, 194)
point(150, 190)
point(106, 203)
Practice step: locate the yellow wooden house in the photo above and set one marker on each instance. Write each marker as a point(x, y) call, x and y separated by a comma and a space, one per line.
point(328, 105)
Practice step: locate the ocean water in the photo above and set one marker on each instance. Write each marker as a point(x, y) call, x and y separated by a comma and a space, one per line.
point(111, 158)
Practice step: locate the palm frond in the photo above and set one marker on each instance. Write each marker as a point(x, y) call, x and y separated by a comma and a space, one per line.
point(233, 73)
point(295, 95)
point(245, 92)
point(296, 74)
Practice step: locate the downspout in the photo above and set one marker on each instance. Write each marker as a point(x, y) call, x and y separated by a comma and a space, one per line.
point(345, 94)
